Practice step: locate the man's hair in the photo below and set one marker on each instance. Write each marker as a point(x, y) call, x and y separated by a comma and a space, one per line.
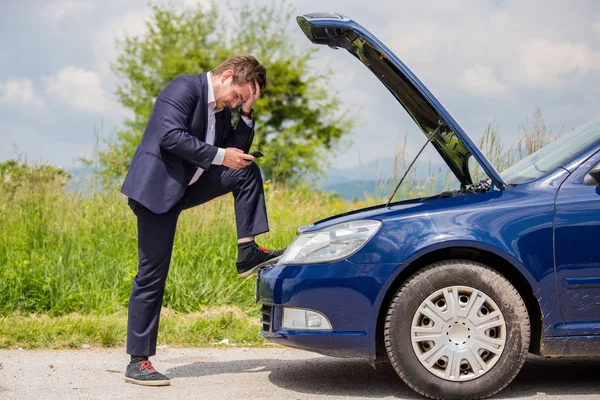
point(246, 69)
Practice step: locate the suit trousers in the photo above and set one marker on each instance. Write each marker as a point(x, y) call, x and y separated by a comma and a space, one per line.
point(156, 233)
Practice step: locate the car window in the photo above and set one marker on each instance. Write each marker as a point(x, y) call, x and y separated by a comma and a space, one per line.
point(553, 155)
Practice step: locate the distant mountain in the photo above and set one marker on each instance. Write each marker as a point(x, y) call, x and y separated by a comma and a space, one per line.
point(378, 170)
point(82, 178)
point(373, 178)
point(358, 190)
point(80, 172)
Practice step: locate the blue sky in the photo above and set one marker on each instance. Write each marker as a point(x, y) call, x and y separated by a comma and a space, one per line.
point(484, 60)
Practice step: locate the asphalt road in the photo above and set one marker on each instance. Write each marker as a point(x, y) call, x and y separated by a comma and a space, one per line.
point(238, 373)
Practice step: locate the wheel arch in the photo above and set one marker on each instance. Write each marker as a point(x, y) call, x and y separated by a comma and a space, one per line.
point(483, 256)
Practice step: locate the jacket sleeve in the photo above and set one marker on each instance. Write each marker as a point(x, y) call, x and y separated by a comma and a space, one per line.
point(241, 136)
point(172, 111)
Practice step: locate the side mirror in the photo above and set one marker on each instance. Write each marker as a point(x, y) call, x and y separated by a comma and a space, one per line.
point(592, 178)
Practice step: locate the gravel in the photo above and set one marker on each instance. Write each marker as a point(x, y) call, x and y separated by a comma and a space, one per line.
point(251, 373)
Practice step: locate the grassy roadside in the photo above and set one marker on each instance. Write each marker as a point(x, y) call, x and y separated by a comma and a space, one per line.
point(67, 261)
point(63, 252)
point(73, 331)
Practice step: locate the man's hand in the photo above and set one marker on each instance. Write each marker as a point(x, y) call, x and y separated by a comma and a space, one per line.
point(253, 98)
point(236, 158)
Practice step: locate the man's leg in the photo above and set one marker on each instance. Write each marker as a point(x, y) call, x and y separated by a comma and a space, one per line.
point(156, 233)
point(249, 197)
point(250, 211)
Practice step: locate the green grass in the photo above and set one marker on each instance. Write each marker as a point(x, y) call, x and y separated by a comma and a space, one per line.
point(67, 261)
point(62, 252)
point(200, 329)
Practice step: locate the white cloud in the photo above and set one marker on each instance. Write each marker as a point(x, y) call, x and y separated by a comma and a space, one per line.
point(205, 4)
point(418, 45)
point(524, 50)
point(20, 92)
point(545, 64)
point(128, 24)
point(80, 88)
point(480, 80)
point(461, 50)
point(57, 10)
point(132, 23)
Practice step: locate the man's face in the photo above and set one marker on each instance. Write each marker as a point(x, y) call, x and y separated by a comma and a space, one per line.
point(229, 94)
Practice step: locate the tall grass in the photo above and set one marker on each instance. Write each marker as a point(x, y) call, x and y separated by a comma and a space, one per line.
point(533, 135)
point(437, 179)
point(64, 252)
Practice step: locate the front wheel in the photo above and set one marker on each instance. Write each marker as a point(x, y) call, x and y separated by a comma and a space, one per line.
point(457, 330)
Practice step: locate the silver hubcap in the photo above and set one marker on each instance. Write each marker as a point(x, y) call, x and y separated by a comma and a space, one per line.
point(458, 333)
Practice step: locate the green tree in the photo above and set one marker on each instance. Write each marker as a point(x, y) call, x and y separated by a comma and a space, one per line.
point(15, 174)
point(299, 120)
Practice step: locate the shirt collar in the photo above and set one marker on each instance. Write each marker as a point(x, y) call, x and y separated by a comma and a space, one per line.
point(211, 93)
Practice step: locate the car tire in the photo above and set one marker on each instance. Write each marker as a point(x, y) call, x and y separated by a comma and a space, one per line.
point(433, 330)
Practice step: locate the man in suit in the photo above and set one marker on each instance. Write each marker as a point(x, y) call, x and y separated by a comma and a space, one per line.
point(190, 154)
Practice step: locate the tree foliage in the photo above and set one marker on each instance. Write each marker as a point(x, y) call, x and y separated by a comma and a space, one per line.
point(299, 121)
point(16, 174)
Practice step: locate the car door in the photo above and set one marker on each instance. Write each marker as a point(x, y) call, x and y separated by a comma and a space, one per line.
point(577, 250)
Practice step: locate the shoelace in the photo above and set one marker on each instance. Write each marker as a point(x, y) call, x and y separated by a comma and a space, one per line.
point(263, 249)
point(146, 365)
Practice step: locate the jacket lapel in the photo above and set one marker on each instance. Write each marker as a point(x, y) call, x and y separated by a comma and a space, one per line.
point(219, 123)
point(204, 103)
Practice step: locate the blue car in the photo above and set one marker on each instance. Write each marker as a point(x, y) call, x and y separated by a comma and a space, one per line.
point(454, 290)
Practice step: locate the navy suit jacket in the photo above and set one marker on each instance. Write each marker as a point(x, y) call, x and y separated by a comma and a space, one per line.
point(173, 144)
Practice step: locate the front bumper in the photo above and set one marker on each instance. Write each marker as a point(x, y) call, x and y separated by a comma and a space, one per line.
point(348, 294)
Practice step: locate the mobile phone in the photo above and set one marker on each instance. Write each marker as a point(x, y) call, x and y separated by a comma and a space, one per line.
point(257, 154)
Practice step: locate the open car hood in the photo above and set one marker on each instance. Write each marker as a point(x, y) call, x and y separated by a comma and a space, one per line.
point(437, 124)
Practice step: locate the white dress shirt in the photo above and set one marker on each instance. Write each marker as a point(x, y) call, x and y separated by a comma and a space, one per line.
point(210, 132)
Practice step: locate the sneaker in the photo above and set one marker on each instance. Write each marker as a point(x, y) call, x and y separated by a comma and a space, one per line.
point(257, 257)
point(143, 373)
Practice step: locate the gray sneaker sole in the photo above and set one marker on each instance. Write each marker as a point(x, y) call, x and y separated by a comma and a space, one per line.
point(264, 264)
point(166, 382)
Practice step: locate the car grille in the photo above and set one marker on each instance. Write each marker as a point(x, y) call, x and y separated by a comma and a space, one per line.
point(267, 312)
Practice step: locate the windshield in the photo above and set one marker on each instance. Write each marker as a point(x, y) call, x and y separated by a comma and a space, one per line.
point(553, 155)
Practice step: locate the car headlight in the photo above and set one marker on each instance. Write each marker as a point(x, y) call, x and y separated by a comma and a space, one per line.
point(329, 244)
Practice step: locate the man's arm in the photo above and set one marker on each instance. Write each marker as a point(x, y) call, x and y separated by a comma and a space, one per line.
point(243, 134)
point(172, 111)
